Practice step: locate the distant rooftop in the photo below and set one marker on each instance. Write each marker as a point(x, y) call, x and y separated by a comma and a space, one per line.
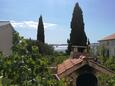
point(4, 23)
point(109, 37)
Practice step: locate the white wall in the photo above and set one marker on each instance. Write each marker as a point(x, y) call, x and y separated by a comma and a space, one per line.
point(110, 45)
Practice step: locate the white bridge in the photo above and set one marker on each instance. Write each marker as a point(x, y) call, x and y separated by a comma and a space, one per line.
point(59, 45)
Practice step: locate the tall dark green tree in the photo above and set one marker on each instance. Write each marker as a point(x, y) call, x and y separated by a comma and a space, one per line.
point(40, 31)
point(77, 35)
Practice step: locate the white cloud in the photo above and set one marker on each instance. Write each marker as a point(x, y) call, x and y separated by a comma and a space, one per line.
point(31, 24)
point(47, 25)
point(54, 33)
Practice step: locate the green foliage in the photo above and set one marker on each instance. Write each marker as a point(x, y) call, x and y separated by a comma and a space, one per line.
point(69, 47)
point(109, 62)
point(106, 80)
point(26, 66)
point(40, 31)
point(101, 50)
point(56, 59)
point(16, 38)
point(29, 64)
point(77, 35)
point(45, 49)
point(0, 81)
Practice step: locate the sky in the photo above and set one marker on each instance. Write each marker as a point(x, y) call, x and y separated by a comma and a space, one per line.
point(99, 18)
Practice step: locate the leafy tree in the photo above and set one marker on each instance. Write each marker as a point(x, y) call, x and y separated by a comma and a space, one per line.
point(77, 35)
point(16, 39)
point(45, 49)
point(40, 31)
point(26, 67)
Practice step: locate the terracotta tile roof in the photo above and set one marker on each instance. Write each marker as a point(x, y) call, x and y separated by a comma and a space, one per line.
point(110, 37)
point(67, 64)
point(72, 64)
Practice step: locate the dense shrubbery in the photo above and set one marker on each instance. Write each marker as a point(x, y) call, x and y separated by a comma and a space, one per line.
point(45, 49)
point(104, 79)
point(29, 67)
point(26, 66)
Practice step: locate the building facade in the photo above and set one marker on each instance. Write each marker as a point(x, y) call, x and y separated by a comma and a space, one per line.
point(6, 33)
point(108, 44)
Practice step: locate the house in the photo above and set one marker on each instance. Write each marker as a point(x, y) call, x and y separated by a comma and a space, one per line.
point(108, 43)
point(6, 31)
point(81, 70)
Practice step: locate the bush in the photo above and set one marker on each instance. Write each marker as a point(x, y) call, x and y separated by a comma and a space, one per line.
point(45, 49)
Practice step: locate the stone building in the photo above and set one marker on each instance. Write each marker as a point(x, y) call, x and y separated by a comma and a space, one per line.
point(81, 70)
point(108, 43)
point(6, 31)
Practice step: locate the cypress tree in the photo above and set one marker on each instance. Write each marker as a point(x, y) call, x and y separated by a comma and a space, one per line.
point(77, 35)
point(40, 31)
